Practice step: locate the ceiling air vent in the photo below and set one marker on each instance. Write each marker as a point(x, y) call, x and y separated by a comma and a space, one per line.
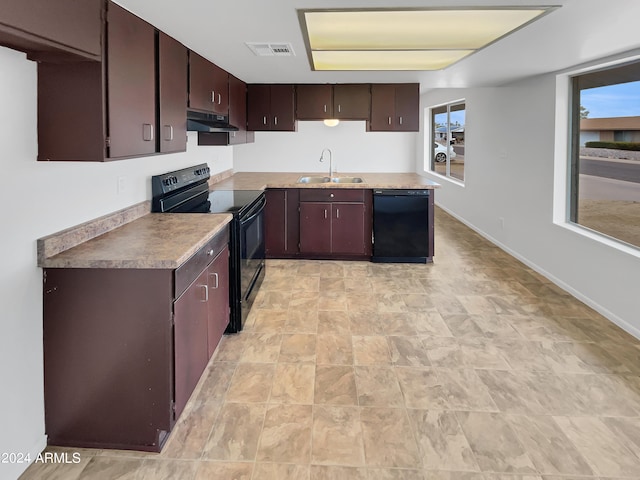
point(271, 49)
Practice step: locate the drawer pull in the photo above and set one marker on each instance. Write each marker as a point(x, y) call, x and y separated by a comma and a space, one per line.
point(206, 293)
point(210, 253)
point(214, 275)
point(332, 195)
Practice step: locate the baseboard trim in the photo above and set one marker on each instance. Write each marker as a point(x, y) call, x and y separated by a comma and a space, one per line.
point(609, 315)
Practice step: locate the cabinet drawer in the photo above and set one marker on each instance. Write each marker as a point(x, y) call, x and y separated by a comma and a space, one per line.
point(331, 195)
point(186, 273)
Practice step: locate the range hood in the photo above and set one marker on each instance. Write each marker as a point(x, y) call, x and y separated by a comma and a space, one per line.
point(208, 122)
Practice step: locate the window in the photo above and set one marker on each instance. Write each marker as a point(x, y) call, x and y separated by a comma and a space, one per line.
point(447, 140)
point(605, 152)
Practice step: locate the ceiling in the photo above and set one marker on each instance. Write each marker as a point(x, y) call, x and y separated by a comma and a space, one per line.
point(577, 32)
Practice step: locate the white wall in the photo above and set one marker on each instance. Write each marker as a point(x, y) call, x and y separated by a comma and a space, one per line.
point(39, 199)
point(354, 150)
point(509, 173)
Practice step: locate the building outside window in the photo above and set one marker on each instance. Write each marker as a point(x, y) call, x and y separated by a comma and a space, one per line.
point(447, 152)
point(605, 152)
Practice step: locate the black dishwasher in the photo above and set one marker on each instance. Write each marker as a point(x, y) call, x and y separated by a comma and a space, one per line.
point(402, 227)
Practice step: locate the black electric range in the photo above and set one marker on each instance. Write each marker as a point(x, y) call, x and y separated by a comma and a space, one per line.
point(187, 191)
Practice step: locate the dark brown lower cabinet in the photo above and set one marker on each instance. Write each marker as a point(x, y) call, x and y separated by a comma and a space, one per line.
point(335, 223)
point(124, 348)
point(282, 223)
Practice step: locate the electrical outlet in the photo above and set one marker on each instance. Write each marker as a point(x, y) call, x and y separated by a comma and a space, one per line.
point(122, 184)
point(501, 222)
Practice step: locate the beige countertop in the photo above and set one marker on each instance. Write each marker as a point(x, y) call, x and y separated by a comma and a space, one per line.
point(156, 240)
point(262, 180)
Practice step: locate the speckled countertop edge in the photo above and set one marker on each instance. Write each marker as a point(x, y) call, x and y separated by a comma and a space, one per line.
point(155, 241)
point(263, 180)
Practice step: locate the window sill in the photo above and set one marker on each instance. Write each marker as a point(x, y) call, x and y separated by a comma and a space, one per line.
point(453, 180)
point(601, 238)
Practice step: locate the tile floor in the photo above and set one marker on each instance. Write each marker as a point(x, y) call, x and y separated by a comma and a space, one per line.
point(472, 368)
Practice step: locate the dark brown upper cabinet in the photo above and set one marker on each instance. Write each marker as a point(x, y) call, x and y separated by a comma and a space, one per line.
point(343, 101)
point(237, 118)
point(270, 108)
point(97, 111)
point(314, 102)
point(131, 84)
point(395, 107)
point(352, 101)
point(208, 86)
point(53, 30)
point(172, 94)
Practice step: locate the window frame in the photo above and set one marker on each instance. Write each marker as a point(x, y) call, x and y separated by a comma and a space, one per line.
point(430, 139)
point(565, 144)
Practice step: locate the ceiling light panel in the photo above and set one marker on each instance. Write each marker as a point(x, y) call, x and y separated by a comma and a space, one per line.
point(386, 59)
point(428, 31)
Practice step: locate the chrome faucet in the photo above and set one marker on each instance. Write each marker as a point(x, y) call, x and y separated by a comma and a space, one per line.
point(331, 172)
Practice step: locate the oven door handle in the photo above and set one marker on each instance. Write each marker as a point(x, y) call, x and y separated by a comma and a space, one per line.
point(255, 211)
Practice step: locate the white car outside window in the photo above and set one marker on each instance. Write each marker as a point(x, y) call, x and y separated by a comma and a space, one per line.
point(440, 153)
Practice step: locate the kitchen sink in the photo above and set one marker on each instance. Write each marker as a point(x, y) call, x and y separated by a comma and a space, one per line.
point(314, 180)
point(347, 180)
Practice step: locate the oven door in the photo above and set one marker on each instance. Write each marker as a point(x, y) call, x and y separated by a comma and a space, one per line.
point(252, 255)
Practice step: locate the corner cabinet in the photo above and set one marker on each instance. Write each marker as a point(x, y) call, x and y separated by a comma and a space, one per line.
point(335, 223)
point(271, 108)
point(395, 107)
point(97, 111)
point(124, 348)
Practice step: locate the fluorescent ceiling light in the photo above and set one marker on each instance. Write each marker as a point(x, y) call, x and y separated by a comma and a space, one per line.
point(386, 59)
point(420, 39)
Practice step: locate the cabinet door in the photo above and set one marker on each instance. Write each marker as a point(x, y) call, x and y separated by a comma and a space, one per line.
point(258, 107)
point(407, 107)
point(36, 25)
point(218, 273)
point(282, 108)
point(315, 228)
point(237, 103)
point(131, 84)
point(382, 107)
point(352, 101)
point(348, 228)
point(314, 102)
point(190, 338)
point(172, 83)
point(220, 90)
point(201, 83)
point(275, 223)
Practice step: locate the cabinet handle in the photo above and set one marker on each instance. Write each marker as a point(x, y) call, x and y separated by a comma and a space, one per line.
point(168, 133)
point(331, 195)
point(325, 108)
point(337, 213)
point(389, 120)
point(339, 109)
point(400, 120)
point(264, 120)
point(325, 213)
point(147, 132)
point(206, 293)
point(213, 96)
point(275, 120)
point(210, 253)
point(214, 275)
point(219, 99)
